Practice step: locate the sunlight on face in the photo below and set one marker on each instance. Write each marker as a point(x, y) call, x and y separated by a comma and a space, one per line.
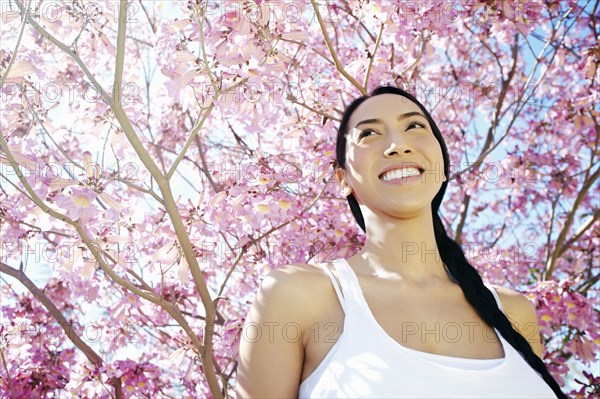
point(386, 132)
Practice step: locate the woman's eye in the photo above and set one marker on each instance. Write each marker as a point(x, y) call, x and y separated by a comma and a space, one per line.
point(415, 125)
point(365, 133)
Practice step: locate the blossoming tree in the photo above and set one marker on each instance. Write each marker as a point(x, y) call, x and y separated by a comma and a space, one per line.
point(159, 158)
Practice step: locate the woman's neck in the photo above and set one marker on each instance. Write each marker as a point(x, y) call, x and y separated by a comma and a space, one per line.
point(405, 248)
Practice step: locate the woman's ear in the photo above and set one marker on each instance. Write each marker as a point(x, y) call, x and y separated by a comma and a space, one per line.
point(344, 186)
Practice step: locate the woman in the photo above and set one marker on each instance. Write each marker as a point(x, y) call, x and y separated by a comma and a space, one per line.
point(407, 316)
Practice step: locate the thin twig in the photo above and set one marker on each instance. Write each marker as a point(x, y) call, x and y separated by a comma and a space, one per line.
point(372, 57)
point(10, 383)
point(336, 60)
point(270, 231)
point(20, 276)
point(16, 50)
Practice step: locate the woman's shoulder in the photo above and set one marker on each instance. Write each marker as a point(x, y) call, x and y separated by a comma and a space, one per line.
point(294, 277)
point(521, 313)
point(515, 303)
point(296, 287)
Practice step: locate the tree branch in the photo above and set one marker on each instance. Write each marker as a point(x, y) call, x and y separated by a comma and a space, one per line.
point(372, 57)
point(563, 233)
point(8, 377)
point(336, 60)
point(463, 217)
point(163, 184)
point(270, 231)
point(16, 50)
point(588, 223)
point(20, 276)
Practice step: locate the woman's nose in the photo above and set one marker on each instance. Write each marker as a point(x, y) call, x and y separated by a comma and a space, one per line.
point(396, 148)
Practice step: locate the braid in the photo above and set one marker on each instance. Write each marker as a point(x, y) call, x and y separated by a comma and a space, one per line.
point(484, 302)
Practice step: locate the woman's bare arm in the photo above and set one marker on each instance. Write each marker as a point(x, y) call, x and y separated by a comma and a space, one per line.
point(271, 352)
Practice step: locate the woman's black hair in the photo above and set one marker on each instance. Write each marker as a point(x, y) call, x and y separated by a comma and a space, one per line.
point(451, 252)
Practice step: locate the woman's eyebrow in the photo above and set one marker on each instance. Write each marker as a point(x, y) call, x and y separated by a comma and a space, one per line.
point(400, 117)
point(410, 114)
point(367, 121)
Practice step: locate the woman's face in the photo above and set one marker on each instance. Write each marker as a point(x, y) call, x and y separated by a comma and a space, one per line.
point(394, 164)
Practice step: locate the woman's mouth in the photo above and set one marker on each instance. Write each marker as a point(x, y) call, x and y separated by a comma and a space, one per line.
point(400, 174)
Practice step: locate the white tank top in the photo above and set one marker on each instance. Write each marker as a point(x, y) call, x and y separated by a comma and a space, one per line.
point(366, 362)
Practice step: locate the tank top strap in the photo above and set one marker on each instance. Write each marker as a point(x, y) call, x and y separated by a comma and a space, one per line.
point(337, 285)
point(350, 285)
point(495, 294)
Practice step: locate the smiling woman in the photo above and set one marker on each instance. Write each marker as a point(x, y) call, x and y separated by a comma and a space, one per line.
point(391, 137)
point(407, 316)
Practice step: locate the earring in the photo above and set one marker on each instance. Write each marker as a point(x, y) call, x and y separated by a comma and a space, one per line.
point(346, 189)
